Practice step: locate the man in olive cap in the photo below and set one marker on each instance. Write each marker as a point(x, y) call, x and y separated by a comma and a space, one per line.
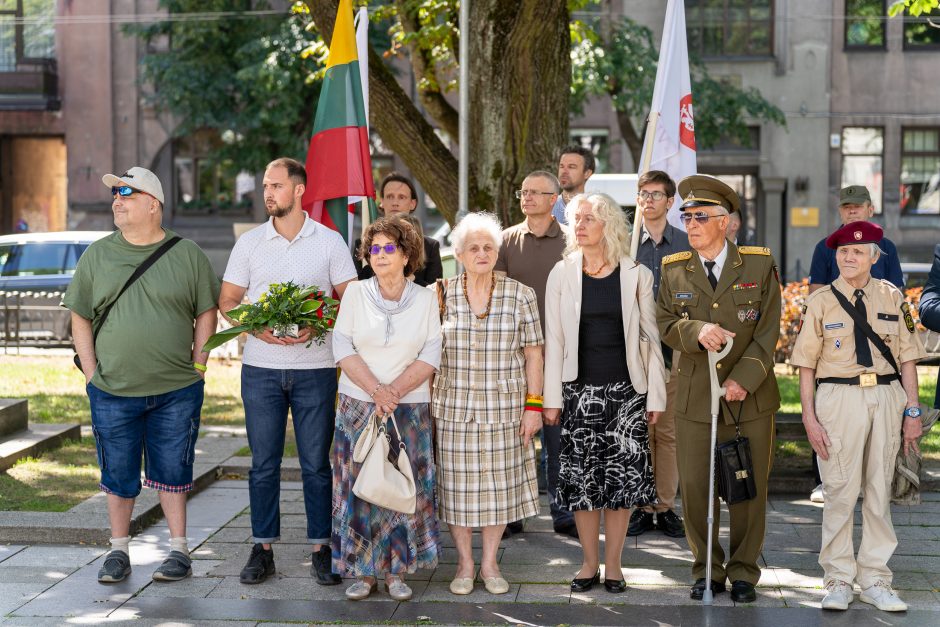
point(716, 291)
point(854, 205)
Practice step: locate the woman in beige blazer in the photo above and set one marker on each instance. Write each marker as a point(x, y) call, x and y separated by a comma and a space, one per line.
point(604, 381)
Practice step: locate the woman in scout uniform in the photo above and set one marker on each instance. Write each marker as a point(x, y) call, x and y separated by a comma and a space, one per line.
point(719, 290)
point(858, 343)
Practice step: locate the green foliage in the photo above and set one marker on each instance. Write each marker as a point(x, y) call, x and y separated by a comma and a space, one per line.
point(242, 77)
point(913, 7)
point(283, 305)
point(623, 67)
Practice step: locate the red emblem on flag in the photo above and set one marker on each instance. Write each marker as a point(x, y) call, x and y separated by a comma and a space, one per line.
point(687, 122)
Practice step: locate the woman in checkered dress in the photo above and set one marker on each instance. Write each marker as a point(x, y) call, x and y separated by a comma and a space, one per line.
point(491, 360)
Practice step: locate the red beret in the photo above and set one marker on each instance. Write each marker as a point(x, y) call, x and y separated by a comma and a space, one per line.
point(855, 233)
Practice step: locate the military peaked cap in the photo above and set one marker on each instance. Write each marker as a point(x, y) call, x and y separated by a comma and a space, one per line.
point(702, 190)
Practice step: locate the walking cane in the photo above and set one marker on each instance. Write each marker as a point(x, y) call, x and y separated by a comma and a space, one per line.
point(717, 393)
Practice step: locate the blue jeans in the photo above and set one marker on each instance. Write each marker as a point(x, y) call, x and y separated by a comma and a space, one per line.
point(163, 428)
point(311, 397)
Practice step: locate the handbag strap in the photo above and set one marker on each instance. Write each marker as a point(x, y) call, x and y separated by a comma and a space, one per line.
point(737, 419)
point(441, 296)
point(138, 271)
point(386, 418)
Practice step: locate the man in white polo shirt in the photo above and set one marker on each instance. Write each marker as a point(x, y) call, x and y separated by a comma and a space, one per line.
point(281, 372)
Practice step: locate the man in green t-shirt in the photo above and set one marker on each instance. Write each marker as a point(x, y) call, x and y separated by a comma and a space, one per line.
point(144, 369)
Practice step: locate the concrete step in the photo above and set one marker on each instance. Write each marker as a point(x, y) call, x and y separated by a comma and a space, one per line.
point(14, 415)
point(34, 440)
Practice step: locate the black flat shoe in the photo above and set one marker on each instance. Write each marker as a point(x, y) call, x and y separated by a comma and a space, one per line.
point(743, 592)
point(698, 589)
point(615, 586)
point(586, 583)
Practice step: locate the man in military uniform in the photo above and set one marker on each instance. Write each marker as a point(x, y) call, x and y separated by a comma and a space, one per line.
point(715, 291)
point(857, 341)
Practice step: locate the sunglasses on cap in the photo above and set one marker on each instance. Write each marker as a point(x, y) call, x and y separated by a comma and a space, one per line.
point(699, 216)
point(389, 249)
point(125, 191)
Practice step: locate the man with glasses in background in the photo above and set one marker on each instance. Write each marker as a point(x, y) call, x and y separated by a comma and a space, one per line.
point(660, 239)
point(715, 291)
point(575, 167)
point(144, 371)
point(529, 251)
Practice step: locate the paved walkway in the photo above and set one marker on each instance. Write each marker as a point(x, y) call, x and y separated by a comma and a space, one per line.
point(54, 585)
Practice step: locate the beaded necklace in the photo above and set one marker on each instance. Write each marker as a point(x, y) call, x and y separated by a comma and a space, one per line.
point(489, 303)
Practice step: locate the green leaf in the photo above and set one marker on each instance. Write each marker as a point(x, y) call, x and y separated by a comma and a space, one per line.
point(220, 338)
point(310, 305)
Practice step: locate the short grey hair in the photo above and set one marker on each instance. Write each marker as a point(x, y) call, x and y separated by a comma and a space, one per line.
point(477, 222)
point(875, 250)
point(548, 176)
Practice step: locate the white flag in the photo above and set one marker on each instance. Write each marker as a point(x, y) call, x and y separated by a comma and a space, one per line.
point(671, 144)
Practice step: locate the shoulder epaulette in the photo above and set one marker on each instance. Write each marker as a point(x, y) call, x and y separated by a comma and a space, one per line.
point(753, 250)
point(683, 256)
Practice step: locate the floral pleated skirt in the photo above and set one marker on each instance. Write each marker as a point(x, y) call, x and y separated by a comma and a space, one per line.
point(605, 453)
point(369, 540)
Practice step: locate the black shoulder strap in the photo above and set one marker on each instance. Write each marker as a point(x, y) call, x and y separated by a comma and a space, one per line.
point(862, 324)
point(149, 261)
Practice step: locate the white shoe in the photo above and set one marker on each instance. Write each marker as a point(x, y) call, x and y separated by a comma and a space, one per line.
point(360, 590)
point(817, 496)
point(397, 589)
point(883, 597)
point(838, 595)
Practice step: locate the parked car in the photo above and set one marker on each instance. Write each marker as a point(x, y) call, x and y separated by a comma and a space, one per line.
point(915, 276)
point(35, 270)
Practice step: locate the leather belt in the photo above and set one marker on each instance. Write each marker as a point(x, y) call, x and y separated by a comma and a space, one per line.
point(864, 380)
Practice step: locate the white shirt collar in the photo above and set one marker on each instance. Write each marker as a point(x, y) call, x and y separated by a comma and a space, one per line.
point(719, 261)
point(306, 230)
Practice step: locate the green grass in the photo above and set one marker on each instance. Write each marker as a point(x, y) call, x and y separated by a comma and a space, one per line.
point(54, 482)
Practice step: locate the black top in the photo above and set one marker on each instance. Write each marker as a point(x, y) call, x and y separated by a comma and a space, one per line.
point(432, 270)
point(602, 347)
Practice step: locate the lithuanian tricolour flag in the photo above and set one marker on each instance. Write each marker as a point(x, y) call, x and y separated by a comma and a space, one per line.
point(339, 170)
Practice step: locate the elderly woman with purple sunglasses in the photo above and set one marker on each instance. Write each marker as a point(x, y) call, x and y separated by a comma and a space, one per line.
point(387, 341)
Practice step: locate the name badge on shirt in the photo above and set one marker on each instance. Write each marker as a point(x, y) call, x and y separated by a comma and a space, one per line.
point(834, 325)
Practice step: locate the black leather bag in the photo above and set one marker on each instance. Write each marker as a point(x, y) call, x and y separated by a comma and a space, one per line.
point(735, 470)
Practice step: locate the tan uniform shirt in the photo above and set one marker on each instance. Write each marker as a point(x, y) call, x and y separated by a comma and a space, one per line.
point(826, 341)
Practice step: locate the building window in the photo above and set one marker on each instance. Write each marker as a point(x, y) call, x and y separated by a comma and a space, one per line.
point(597, 140)
point(730, 28)
point(27, 32)
point(865, 22)
point(922, 32)
point(862, 160)
point(920, 171)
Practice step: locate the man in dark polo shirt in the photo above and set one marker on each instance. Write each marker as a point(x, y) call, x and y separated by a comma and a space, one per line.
point(529, 252)
point(660, 239)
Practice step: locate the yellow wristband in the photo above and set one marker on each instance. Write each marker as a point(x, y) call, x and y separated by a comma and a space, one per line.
point(200, 367)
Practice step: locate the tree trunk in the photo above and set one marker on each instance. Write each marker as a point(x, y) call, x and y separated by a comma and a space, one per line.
point(520, 76)
point(631, 137)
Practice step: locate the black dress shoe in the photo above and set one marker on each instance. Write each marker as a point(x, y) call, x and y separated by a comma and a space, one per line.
point(567, 529)
point(698, 588)
point(586, 583)
point(670, 524)
point(615, 586)
point(640, 523)
point(322, 567)
point(743, 592)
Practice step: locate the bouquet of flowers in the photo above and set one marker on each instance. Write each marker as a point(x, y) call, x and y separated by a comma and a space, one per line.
point(286, 308)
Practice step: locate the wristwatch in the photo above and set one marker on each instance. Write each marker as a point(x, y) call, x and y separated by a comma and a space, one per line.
point(912, 412)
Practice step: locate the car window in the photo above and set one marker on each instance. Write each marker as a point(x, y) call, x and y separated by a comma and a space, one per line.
point(4, 256)
point(71, 260)
point(36, 259)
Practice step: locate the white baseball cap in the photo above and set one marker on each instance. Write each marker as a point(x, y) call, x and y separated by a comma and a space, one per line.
point(139, 178)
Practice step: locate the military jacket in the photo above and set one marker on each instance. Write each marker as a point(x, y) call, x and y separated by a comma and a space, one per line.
point(826, 341)
point(746, 301)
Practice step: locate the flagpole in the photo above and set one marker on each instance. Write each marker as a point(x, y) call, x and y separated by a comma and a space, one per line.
point(644, 167)
point(464, 120)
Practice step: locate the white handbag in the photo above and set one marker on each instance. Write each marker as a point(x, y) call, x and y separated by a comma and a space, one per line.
point(381, 482)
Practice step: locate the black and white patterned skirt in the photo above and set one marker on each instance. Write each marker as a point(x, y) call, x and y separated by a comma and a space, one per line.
point(605, 451)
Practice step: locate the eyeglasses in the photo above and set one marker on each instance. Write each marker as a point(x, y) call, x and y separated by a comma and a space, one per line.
point(125, 191)
point(700, 216)
point(520, 193)
point(657, 195)
point(389, 249)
